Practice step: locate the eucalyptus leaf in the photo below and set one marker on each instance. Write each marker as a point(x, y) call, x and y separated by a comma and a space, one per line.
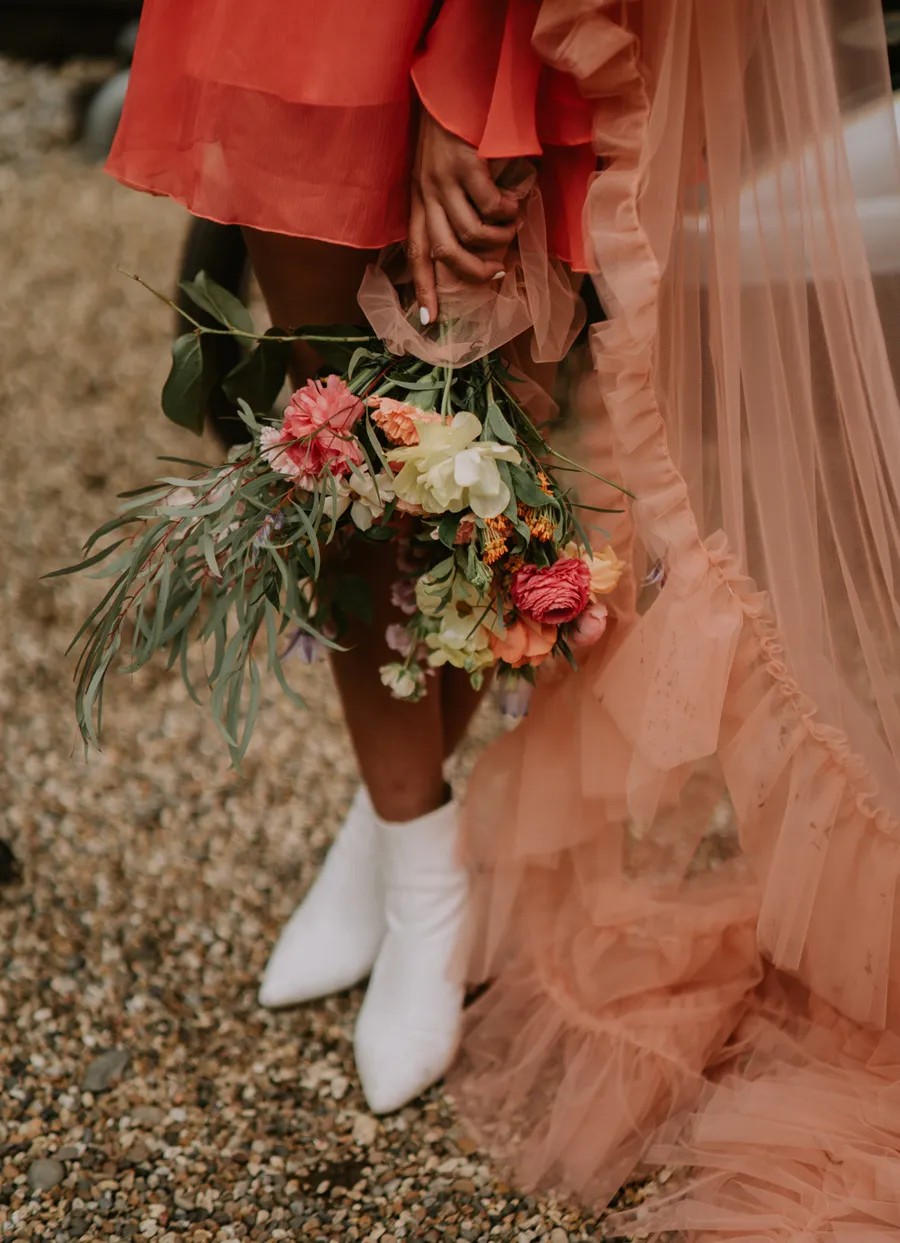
point(527, 490)
point(497, 427)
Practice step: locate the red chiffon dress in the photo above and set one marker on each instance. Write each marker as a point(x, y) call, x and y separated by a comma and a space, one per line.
point(299, 118)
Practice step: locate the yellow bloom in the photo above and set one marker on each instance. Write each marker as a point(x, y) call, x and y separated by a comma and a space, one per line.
point(606, 570)
point(605, 567)
point(451, 469)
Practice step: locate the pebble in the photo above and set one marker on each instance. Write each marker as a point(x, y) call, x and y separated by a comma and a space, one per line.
point(45, 1173)
point(339, 1086)
point(105, 1070)
point(148, 1115)
point(365, 1129)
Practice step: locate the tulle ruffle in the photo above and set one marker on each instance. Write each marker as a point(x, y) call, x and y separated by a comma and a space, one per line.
point(685, 876)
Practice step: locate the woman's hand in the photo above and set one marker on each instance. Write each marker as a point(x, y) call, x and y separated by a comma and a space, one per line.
point(458, 216)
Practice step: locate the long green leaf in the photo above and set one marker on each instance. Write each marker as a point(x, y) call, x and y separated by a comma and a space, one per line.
point(222, 305)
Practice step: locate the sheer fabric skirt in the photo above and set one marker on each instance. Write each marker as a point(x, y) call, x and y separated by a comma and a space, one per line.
point(299, 117)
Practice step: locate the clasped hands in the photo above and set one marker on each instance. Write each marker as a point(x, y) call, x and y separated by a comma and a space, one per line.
point(460, 219)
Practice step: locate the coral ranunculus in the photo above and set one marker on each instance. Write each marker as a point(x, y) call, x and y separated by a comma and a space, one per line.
point(524, 642)
point(317, 433)
point(554, 593)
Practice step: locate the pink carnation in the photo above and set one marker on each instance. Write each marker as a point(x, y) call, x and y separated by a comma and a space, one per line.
point(316, 434)
point(554, 593)
point(398, 419)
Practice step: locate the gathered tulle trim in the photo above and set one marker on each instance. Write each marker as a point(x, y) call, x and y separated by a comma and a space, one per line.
point(855, 770)
point(621, 998)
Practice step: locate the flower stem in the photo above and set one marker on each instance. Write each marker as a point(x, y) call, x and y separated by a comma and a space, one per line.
point(445, 399)
point(240, 332)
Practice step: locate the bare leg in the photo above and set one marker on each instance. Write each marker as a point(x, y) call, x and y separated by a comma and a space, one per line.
point(399, 745)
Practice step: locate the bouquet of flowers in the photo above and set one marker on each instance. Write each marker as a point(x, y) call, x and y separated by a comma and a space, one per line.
point(495, 569)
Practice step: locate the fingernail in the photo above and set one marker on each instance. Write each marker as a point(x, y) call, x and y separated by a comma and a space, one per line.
point(498, 276)
point(424, 316)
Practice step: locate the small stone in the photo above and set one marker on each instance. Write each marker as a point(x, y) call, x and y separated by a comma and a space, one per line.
point(105, 1070)
point(558, 1235)
point(339, 1086)
point(463, 1185)
point(45, 1173)
point(68, 1152)
point(148, 1115)
point(365, 1129)
point(31, 1130)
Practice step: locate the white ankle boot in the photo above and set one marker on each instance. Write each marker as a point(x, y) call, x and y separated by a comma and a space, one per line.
point(408, 1027)
point(332, 939)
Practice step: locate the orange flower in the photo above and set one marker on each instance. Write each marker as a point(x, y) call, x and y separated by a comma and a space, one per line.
point(398, 419)
point(524, 642)
point(541, 525)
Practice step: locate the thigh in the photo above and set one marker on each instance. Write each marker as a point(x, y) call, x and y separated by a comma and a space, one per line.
point(306, 282)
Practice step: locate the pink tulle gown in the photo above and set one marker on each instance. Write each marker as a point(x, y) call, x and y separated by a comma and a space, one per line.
point(687, 859)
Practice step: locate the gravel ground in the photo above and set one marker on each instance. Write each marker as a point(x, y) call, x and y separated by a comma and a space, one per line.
point(146, 1095)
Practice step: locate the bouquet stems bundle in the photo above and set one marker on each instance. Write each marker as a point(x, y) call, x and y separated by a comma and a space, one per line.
point(495, 569)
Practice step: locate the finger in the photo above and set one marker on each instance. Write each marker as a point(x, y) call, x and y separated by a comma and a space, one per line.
point(493, 204)
point(418, 251)
point(471, 231)
point(446, 249)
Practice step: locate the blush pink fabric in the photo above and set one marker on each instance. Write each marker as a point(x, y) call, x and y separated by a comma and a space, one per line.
point(686, 858)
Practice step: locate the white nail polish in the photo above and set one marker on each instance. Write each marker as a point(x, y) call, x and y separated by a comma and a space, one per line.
point(498, 276)
point(424, 316)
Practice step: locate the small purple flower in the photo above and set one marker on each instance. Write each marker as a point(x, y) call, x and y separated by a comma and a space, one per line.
point(399, 639)
point(514, 698)
point(271, 522)
point(306, 646)
point(403, 596)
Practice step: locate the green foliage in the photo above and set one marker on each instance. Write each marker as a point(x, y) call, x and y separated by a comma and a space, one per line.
point(258, 378)
point(228, 562)
point(189, 383)
point(222, 305)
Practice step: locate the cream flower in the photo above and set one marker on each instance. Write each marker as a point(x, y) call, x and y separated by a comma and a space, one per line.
point(450, 469)
point(337, 500)
point(605, 567)
point(403, 683)
point(369, 495)
point(460, 639)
